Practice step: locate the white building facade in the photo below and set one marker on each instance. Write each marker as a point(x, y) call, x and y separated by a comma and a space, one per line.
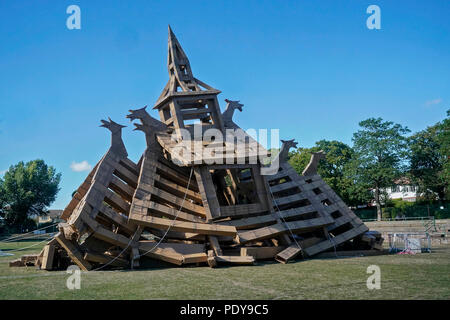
point(403, 192)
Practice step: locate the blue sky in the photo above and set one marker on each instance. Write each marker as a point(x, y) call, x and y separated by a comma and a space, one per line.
point(310, 68)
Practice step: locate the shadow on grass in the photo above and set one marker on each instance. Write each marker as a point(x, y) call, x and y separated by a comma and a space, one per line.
point(147, 264)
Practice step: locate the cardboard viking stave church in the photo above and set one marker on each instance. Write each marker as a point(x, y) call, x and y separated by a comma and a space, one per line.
point(178, 206)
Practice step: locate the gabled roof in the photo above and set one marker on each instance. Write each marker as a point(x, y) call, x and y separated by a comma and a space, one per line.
point(54, 213)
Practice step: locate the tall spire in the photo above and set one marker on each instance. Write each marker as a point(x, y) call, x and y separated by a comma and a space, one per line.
point(179, 67)
point(181, 78)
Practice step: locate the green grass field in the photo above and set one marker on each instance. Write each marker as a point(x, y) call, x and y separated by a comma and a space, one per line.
point(421, 276)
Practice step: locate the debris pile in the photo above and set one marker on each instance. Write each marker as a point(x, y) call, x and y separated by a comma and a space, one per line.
point(185, 202)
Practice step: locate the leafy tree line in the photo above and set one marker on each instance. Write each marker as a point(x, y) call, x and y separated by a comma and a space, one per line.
point(26, 190)
point(382, 152)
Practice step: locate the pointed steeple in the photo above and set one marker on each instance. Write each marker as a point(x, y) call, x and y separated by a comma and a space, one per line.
point(179, 67)
point(181, 78)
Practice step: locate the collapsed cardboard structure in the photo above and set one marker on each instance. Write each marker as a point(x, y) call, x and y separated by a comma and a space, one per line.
point(182, 205)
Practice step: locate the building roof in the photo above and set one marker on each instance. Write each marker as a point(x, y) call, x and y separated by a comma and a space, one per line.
point(54, 213)
point(403, 181)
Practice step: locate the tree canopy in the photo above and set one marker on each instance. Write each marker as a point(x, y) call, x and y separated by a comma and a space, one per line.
point(380, 149)
point(27, 189)
point(427, 162)
point(333, 169)
point(444, 142)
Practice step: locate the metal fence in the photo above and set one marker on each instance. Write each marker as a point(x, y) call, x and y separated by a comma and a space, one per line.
point(409, 243)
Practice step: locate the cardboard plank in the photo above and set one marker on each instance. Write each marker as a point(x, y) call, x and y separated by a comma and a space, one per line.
point(48, 257)
point(73, 252)
point(245, 260)
point(105, 259)
point(280, 228)
point(289, 253)
point(261, 253)
point(183, 226)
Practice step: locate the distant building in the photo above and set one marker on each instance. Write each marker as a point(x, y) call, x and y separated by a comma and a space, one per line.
point(403, 189)
point(53, 216)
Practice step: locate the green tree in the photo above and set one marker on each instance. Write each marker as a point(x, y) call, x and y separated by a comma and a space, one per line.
point(444, 141)
point(333, 169)
point(26, 190)
point(380, 150)
point(299, 158)
point(427, 162)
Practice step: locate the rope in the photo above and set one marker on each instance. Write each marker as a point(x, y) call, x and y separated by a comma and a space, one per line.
point(284, 221)
point(114, 259)
point(30, 237)
point(160, 240)
point(334, 243)
point(22, 234)
point(33, 245)
point(279, 213)
point(173, 221)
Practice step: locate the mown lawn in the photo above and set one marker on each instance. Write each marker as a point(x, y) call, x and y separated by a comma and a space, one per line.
point(422, 276)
